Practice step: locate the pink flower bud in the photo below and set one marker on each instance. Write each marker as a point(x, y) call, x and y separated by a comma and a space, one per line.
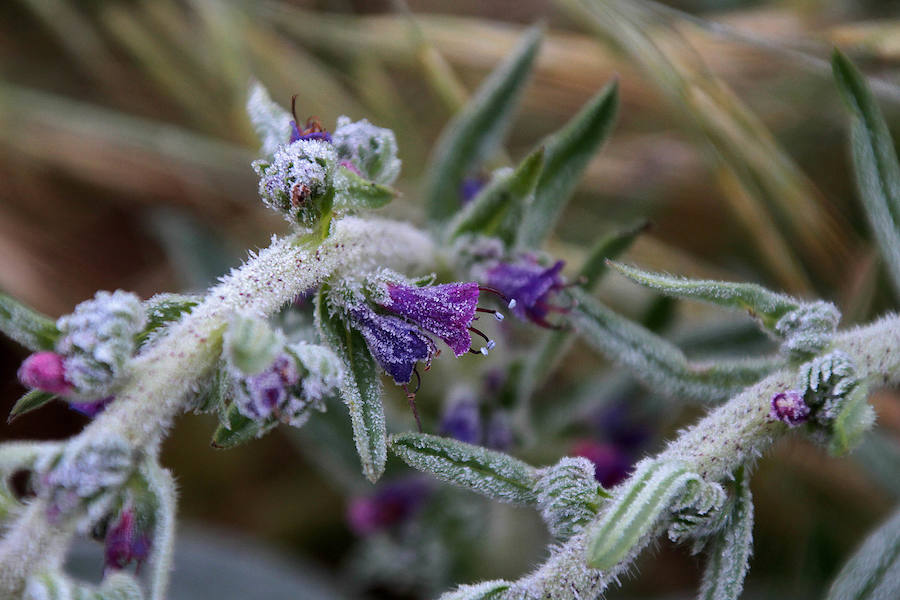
point(789, 407)
point(45, 371)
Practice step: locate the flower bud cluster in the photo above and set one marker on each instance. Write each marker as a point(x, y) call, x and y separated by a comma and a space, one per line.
point(808, 329)
point(370, 149)
point(568, 496)
point(96, 342)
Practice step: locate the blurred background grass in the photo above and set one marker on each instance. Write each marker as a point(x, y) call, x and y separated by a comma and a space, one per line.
point(124, 163)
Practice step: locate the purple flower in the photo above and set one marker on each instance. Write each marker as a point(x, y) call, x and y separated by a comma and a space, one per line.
point(498, 433)
point(611, 465)
point(445, 310)
point(395, 344)
point(91, 409)
point(528, 286)
point(391, 504)
point(789, 407)
point(471, 187)
point(45, 371)
point(127, 540)
point(312, 131)
point(262, 394)
point(462, 421)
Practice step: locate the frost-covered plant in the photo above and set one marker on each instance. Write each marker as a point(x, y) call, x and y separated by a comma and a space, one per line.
point(378, 308)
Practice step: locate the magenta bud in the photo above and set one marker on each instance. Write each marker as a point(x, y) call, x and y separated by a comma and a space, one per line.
point(789, 407)
point(350, 167)
point(45, 371)
point(126, 541)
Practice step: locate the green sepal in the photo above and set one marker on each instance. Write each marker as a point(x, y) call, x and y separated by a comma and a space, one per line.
point(354, 192)
point(568, 153)
point(874, 161)
point(216, 393)
point(762, 304)
point(855, 418)
point(728, 552)
point(164, 309)
point(250, 344)
point(361, 390)
point(656, 361)
point(871, 573)
point(493, 474)
point(497, 209)
point(238, 429)
point(26, 326)
point(634, 513)
point(31, 400)
point(477, 128)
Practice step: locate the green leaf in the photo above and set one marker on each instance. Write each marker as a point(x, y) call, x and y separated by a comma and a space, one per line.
point(477, 129)
point(497, 208)
point(31, 400)
point(361, 389)
point(656, 361)
point(605, 249)
point(855, 418)
point(216, 394)
point(26, 326)
point(873, 573)
point(251, 345)
point(163, 309)
point(729, 551)
point(879, 456)
point(486, 590)
point(568, 153)
point(493, 474)
point(633, 514)
point(238, 429)
point(762, 304)
point(354, 192)
point(875, 162)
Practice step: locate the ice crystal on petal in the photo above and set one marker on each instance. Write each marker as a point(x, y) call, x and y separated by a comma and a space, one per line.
point(445, 310)
point(395, 344)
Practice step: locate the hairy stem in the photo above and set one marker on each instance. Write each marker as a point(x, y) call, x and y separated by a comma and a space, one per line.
point(163, 377)
point(729, 436)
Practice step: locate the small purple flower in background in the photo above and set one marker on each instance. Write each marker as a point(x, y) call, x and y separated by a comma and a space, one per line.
point(45, 371)
point(498, 433)
point(789, 407)
point(529, 287)
point(462, 421)
point(391, 504)
point(91, 409)
point(611, 464)
point(127, 540)
point(471, 187)
point(396, 345)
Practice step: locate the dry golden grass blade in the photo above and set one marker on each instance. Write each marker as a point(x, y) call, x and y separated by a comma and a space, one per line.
point(740, 140)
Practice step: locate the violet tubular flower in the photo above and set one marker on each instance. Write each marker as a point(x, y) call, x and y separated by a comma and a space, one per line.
point(395, 344)
point(529, 287)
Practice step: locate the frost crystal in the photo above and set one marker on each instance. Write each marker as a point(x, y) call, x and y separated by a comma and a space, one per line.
point(298, 182)
point(97, 340)
point(372, 150)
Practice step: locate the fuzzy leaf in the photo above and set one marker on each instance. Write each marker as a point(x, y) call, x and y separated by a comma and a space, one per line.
point(271, 122)
point(250, 344)
point(163, 309)
point(873, 573)
point(634, 513)
point(216, 394)
point(568, 153)
point(477, 129)
point(26, 326)
point(501, 202)
point(355, 192)
point(874, 161)
point(486, 590)
point(656, 361)
point(360, 390)
point(855, 418)
point(730, 549)
point(487, 472)
point(762, 304)
point(31, 400)
point(879, 456)
point(238, 429)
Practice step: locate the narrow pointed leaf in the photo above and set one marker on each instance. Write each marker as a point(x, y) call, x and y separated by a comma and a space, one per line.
point(486, 590)
point(634, 513)
point(730, 550)
point(238, 429)
point(656, 361)
point(163, 309)
point(765, 305)
point(31, 400)
point(360, 391)
point(477, 129)
point(355, 192)
point(501, 202)
point(875, 162)
point(568, 153)
point(855, 418)
point(487, 472)
point(873, 573)
point(26, 326)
